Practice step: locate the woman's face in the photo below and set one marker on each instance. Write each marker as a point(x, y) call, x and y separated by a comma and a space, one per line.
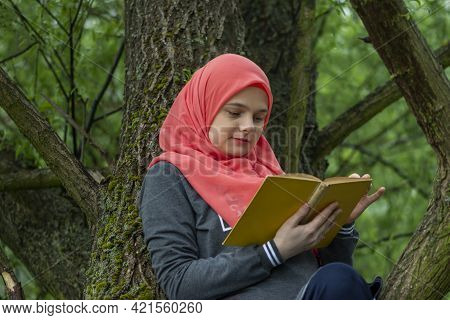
point(241, 117)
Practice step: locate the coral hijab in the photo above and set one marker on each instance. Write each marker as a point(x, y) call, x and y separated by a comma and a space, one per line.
point(227, 183)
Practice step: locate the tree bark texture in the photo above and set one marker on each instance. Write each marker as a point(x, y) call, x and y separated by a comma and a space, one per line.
point(273, 32)
point(48, 232)
point(165, 43)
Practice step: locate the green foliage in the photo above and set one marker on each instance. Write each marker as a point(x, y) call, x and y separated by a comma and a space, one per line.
point(348, 69)
point(97, 34)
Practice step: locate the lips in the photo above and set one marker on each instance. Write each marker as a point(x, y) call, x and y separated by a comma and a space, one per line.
point(242, 140)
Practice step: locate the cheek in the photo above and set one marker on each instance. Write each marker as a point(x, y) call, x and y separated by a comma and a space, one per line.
point(218, 135)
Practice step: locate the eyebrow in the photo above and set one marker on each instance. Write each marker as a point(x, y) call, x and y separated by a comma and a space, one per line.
point(238, 104)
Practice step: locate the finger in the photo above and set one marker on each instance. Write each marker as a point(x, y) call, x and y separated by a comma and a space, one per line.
point(301, 213)
point(322, 216)
point(376, 195)
point(329, 223)
point(366, 176)
point(354, 175)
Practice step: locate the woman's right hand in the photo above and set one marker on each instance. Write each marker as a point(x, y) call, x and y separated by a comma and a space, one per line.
point(293, 238)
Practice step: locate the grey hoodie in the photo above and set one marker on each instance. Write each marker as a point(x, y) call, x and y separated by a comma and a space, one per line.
point(184, 237)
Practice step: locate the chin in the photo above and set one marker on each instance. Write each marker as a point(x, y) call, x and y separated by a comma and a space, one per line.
point(238, 153)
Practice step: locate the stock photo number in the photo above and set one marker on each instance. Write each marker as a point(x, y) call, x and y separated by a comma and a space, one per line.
point(167, 307)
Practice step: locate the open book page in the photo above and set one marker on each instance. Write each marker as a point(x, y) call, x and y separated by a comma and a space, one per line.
point(336, 180)
point(301, 176)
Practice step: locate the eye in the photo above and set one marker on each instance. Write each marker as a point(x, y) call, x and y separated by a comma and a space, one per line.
point(259, 119)
point(233, 114)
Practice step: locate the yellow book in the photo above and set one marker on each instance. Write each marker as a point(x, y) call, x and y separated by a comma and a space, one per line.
point(279, 197)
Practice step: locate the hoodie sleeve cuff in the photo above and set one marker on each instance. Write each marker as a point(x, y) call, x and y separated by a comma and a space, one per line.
point(270, 255)
point(347, 229)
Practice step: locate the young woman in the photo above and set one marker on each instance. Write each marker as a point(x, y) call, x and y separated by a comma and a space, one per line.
point(215, 158)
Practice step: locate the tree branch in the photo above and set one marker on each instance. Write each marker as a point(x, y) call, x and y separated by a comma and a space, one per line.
point(57, 260)
point(18, 53)
point(52, 69)
point(28, 179)
point(387, 238)
point(13, 287)
point(53, 16)
point(108, 80)
point(107, 114)
point(73, 176)
point(36, 34)
point(355, 117)
point(76, 127)
point(393, 167)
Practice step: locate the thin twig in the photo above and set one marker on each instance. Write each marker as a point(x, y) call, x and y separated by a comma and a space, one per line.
point(50, 66)
point(74, 21)
point(390, 165)
point(396, 236)
point(107, 114)
point(76, 127)
point(18, 53)
point(108, 80)
point(53, 16)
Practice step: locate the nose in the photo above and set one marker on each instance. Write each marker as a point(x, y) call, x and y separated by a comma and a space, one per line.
point(247, 123)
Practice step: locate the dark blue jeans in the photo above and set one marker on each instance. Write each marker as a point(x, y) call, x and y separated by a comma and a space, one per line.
point(339, 281)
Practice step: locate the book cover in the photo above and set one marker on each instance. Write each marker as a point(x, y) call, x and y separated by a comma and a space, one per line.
point(279, 197)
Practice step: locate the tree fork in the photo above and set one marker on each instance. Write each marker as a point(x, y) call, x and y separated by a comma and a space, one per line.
point(74, 177)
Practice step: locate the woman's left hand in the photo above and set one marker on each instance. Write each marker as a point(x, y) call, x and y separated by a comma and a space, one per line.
point(365, 200)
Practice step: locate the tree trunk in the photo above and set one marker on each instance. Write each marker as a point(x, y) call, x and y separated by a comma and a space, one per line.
point(274, 32)
point(422, 271)
point(165, 44)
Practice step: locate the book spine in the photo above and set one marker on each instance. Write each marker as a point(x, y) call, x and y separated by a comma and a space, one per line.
point(314, 200)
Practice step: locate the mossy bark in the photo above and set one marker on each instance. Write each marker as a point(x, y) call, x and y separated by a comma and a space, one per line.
point(274, 30)
point(165, 43)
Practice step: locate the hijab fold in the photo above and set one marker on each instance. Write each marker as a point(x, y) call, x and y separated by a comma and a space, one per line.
point(227, 183)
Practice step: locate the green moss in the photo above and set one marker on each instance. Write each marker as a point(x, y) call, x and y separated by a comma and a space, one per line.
point(101, 286)
point(162, 83)
point(146, 295)
point(134, 178)
point(187, 74)
point(126, 296)
point(107, 245)
point(112, 184)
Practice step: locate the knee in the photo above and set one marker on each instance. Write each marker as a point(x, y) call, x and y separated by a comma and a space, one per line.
point(337, 270)
point(338, 278)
